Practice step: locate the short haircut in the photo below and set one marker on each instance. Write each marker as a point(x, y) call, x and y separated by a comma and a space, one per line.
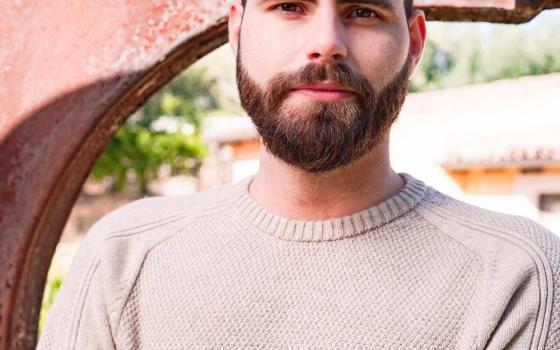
point(408, 6)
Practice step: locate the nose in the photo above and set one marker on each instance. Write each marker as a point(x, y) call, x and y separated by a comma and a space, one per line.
point(327, 41)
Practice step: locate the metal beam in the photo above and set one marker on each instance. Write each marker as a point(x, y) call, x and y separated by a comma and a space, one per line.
point(70, 74)
point(496, 11)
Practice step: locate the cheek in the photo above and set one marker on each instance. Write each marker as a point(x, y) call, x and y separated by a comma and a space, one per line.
point(265, 52)
point(380, 57)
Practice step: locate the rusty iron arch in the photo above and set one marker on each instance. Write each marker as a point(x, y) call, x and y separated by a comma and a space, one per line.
point(54, 127)
point(495, 11)
point(70, 75)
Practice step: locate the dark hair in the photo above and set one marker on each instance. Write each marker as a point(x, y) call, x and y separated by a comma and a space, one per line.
point(408, 6)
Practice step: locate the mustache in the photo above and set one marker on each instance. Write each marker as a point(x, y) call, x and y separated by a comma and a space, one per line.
point(280, 86)
point(320, 136)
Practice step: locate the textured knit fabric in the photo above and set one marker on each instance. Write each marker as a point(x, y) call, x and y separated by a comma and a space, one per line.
point(216, 270)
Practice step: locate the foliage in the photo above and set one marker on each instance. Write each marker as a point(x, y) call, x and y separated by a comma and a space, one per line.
point(139, 149)
point(189, 95)
point(51, 289)
point(455, 57)
point(436, 64)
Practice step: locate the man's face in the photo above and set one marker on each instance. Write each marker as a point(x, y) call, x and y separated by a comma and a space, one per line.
point(323, 80)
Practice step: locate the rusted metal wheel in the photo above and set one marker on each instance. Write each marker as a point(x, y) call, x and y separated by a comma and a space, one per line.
point(70, 75)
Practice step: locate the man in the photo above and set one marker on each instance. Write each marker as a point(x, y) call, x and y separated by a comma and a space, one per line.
point(326, 246)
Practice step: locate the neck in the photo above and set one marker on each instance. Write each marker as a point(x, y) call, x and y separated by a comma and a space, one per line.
point(296, 194)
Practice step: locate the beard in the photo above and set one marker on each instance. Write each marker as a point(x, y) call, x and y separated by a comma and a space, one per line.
point(317, 136)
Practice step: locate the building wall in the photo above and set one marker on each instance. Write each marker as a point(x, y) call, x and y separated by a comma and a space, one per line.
point(479, 181)
point(540, 186)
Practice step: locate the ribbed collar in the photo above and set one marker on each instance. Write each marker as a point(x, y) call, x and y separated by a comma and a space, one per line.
point(332, 229)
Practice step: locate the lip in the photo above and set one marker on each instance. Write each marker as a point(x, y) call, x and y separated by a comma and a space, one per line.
point(324, 92)
point(329, 87)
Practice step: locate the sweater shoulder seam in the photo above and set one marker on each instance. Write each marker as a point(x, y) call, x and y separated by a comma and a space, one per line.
point(144, 257)
point(160, 222)
point(78, 313)
point(537, 255)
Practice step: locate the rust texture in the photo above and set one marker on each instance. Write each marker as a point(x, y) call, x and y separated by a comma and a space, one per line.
point(497, 11)
point(70, 74)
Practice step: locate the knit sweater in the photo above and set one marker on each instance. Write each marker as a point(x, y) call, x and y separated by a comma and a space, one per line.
point(216, 270)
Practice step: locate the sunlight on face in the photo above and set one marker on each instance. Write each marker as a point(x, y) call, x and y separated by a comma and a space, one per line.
point(370, 36)
point(312, 102)
point(323, 80)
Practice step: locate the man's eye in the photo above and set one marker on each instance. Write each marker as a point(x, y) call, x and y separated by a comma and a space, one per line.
point(363, 13)
point(289, 7)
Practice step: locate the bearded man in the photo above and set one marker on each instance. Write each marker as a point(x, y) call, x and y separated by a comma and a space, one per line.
point(326, 247)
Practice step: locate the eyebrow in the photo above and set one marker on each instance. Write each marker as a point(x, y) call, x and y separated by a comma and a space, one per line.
point(385, 5)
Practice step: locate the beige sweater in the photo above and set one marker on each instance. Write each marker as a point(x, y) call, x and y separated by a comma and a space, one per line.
point(217, 271)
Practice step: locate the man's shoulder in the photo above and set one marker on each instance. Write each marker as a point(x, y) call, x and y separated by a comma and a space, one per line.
point(478, 218)
point(150, 213)
point(519, 256)
point(489, 232)
point(112, 252)
point(132, 230)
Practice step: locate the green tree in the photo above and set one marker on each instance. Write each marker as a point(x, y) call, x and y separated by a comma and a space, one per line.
point(459, 54)
point(436, 64)
point(51, 289)
point(190, 95)
point(139, 148)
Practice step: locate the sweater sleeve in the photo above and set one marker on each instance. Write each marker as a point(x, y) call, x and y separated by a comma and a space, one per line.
point(553, 337)
point(79, 317)
point(547, 334)
point(87, 309)
point(519, 306)
point(518, 327)
point(532, 321)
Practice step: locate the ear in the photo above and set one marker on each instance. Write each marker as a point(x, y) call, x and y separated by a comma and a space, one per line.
point(417, 32)
point(234, 24)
